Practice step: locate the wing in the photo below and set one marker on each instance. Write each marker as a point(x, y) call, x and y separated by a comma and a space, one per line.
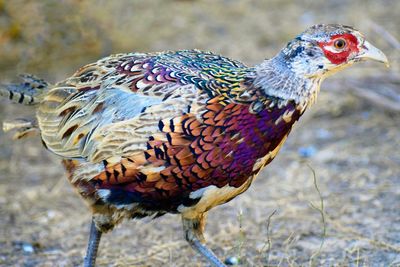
point(92, 114)
point(126, 92)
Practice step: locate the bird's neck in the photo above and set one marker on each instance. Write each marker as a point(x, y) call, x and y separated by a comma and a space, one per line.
point(277, 79)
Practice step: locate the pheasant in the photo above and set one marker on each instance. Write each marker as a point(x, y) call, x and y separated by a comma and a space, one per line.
point(180, 132)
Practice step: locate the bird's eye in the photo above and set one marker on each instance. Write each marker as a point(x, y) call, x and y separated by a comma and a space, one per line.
point(339, 43)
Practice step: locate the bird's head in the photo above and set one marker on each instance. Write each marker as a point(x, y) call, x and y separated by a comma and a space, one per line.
point(324, 49)
point(297, 71)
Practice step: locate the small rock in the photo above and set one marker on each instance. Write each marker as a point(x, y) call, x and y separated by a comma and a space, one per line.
point(307, 152)
point(28, 248)
point(51, 214)
point(232, 261)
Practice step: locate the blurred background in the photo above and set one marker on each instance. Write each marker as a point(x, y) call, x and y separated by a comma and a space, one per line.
point(350, 137)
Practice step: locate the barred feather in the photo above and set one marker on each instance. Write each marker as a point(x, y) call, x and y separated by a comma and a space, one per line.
point(28, 92)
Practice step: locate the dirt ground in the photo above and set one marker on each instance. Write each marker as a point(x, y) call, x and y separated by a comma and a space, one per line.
point(350, 143)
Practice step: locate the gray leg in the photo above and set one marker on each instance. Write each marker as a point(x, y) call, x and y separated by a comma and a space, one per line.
point(93, 245)
point(194, 235)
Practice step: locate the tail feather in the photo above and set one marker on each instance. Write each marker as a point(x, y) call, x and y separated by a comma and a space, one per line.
point(22, 127)
point(28, 92)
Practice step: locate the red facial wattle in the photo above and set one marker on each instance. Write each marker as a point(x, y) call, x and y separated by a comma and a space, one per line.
point(340, 56)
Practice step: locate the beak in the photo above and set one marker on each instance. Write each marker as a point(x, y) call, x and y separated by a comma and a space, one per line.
point(371, 52)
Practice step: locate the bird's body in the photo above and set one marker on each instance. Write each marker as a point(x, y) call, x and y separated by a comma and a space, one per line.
point(153, 133)
point(180, 132)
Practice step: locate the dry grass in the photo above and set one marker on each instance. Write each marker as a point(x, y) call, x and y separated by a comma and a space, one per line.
point(355, 144)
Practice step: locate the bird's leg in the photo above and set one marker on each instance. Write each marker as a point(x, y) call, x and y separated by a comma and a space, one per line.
point(93, 245)
point(194, 229)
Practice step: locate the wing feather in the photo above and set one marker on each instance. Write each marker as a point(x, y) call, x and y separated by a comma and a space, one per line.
point(100, 113)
